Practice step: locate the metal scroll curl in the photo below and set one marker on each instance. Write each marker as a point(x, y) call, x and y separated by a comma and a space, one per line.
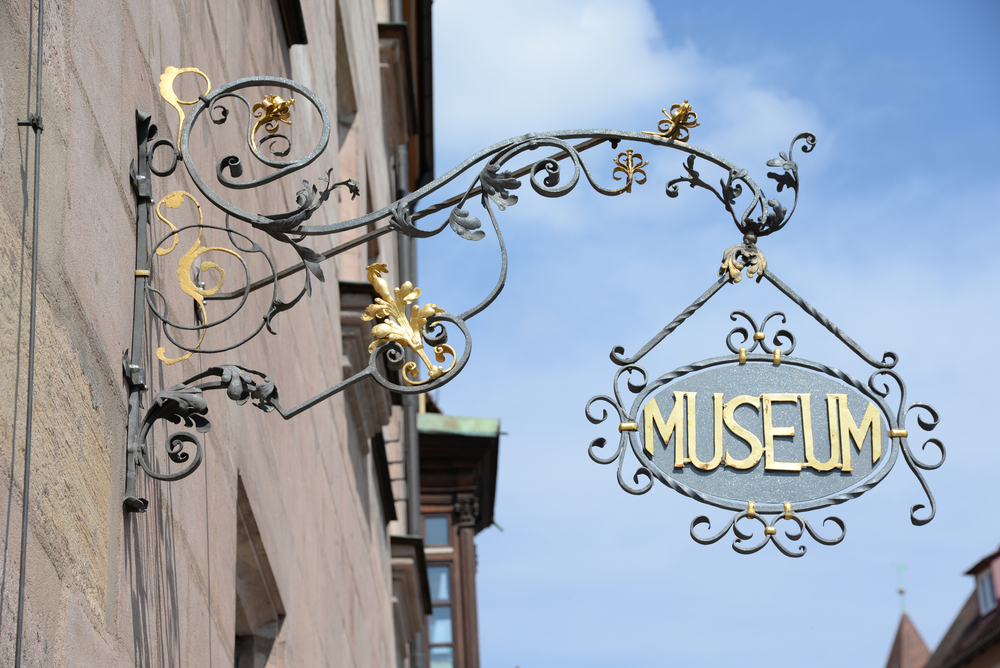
point(185, 404)
point(435, 335)
point(491, 178)
point(219, 115)
point(770, 532)
point(189, 277)
point(757, 335)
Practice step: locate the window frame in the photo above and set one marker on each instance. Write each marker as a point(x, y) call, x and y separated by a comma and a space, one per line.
point(986, 593)
point(449, 603)
point(447, 531)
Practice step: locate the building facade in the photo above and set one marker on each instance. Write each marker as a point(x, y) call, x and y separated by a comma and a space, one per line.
point(972, 640)
point(291, 543)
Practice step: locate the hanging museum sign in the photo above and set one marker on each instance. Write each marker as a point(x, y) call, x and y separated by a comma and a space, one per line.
point(758, 431)
point(762, 432)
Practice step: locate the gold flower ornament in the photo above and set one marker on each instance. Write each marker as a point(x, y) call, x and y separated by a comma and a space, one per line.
point(268, 113)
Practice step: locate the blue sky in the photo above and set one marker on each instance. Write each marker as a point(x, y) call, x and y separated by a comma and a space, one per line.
point(895, 239)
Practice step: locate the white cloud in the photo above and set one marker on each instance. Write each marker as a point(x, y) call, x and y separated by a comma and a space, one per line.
point(564, 64)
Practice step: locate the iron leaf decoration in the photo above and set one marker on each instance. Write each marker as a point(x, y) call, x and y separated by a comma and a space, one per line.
point(180, 403)
point(241, 387)
point(788, 178)
point(401, 220)
point(497, 184)
point(745, 255)
point(465, 226)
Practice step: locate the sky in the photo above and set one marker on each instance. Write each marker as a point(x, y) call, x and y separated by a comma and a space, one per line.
point(894, 239)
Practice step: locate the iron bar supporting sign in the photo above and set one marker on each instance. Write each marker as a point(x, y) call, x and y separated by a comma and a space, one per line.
point(757, 431)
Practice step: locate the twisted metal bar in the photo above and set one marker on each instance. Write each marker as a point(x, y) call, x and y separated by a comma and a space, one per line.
point(889, 358)
point(618, 351)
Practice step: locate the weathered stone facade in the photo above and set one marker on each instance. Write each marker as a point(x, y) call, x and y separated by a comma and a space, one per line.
point(110, 588)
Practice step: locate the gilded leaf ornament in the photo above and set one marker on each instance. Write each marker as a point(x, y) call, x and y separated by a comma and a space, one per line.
point(677, 124)
point(398, 327)
point(745, 255)
point(185, 264)
point(268, 113)
point(168, 94)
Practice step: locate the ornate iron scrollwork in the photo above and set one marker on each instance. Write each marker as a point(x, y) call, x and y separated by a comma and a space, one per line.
point(491, 179)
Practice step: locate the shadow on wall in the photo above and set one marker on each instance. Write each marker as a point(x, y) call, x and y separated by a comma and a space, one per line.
point(150, 561)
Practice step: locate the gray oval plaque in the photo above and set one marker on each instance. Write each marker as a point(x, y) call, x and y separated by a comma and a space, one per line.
point(762, 433)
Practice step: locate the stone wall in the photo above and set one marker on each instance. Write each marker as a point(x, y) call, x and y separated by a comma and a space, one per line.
point(108, 588)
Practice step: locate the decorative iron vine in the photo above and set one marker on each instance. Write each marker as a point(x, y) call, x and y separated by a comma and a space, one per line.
point(489, 178)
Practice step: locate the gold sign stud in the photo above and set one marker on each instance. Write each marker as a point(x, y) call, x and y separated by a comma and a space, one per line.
point(788, 511)
point(743, 355)
point(679, 120)
point(897, 433)
point(142, 272)
point(777, 357)
point(759, 336)
point(751, 509)
point(770, 531)
point(628, 426)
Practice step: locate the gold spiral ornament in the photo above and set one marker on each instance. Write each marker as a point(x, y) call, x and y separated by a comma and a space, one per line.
point(186, 262)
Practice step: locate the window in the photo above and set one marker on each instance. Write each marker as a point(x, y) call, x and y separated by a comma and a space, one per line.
point(436, 530)
point(985, 591)
point(259, 610)
point(440, 637)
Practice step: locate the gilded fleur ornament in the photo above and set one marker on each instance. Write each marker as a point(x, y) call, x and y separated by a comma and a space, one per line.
point(630, 164)
point(268, 113)
point(677, 124)
point(398, 328)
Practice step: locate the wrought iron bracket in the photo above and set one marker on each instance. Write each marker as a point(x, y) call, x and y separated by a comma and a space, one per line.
point(34, 122)
point(402, 324)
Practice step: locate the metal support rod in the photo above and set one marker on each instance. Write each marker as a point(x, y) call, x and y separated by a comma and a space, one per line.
point(516, 173)
point(36, 123)
point(132, 362)
point(402, 158)
point(294, 269)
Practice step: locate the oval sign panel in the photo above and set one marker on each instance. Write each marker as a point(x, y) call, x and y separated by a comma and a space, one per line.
point(762, 433)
